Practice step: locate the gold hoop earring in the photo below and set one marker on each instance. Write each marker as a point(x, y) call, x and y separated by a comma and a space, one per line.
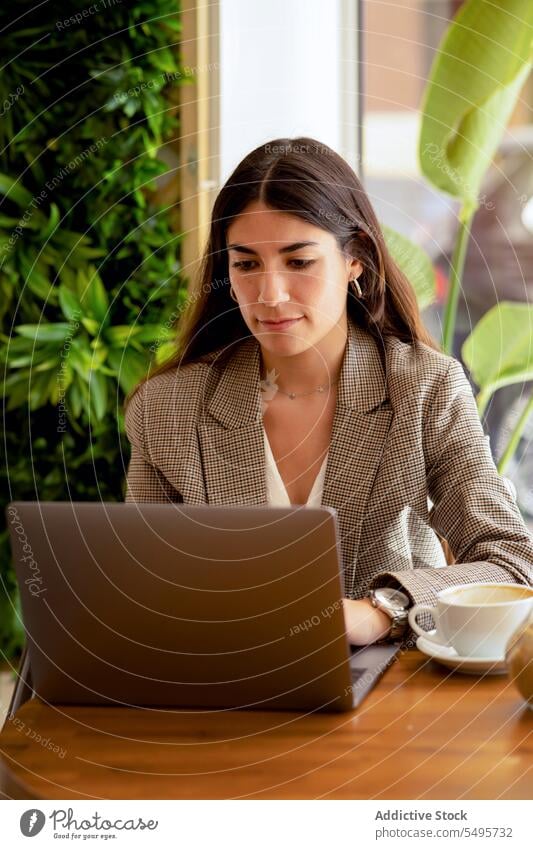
point(356, 286)
point(232, 293)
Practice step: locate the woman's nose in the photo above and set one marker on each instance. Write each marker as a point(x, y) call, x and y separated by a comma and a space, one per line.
point(271, 292)
point(274, 299)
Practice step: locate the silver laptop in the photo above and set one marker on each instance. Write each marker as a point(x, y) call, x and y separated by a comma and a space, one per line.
point(187, 606)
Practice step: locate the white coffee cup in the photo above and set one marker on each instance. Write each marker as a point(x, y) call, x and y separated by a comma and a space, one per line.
point(476, 619)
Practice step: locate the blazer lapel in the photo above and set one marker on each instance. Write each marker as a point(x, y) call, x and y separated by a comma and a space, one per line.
point(231, 437)
point(361, 426)
point(232, 444)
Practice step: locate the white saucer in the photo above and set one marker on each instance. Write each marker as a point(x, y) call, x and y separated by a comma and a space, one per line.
point(467, 665)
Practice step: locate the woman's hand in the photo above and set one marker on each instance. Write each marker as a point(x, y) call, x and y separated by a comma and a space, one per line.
point(364, 623)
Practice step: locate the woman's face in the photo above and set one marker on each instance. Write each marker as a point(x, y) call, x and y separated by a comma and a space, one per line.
point(282, 267)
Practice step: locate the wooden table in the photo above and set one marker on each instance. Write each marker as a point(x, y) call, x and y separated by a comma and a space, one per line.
point(423, 733)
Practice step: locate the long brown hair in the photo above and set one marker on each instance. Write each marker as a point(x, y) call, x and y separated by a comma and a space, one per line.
point(309, 180)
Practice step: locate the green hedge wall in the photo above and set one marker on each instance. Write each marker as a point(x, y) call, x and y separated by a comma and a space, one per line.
point(89, 266)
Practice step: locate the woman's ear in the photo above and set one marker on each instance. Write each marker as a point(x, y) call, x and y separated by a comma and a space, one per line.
point(355, 268)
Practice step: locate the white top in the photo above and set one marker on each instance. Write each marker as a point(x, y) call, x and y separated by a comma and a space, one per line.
point(277, 494)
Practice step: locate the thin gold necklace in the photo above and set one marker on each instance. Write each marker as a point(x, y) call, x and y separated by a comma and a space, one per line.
point(292, 395)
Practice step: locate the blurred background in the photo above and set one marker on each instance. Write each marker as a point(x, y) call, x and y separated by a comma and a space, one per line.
point(119, 124)
point(399, 44)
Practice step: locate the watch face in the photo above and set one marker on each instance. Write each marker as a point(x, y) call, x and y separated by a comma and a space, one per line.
point(395, 599)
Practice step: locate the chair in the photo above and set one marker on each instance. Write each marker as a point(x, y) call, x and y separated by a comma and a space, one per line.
point(23, 689)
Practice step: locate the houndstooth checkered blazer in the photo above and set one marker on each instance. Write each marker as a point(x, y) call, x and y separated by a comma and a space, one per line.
point(405, 428)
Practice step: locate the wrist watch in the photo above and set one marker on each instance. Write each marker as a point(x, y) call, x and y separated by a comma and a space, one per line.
point(395, 604)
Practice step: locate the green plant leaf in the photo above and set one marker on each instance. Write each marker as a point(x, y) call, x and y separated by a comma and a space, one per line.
point(91, 325)
point(39, 390)
point(499, 351)
point(415, 264)
point(98, 300)
point(130, 366)
point(53, 221)
point(69, 303)
point(75, 399)
point(56, 332)
point(81, 358)
point(121, 335)
point(7, 222)
point(39, 283)
point(13, 189)
point(98, 386)
point(164, 352)
point(64, 376)
point(153, 333)
point(479, 70)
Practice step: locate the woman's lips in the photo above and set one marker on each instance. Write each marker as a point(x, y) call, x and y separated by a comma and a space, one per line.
point(281, 325)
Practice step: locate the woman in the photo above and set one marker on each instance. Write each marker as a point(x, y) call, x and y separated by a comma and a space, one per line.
point(303, 375)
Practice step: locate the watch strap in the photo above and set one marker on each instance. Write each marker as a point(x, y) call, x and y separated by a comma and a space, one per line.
point(399, 620)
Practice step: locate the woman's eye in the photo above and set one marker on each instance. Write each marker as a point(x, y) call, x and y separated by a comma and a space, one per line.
point(303, 262)
point(244, 264)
